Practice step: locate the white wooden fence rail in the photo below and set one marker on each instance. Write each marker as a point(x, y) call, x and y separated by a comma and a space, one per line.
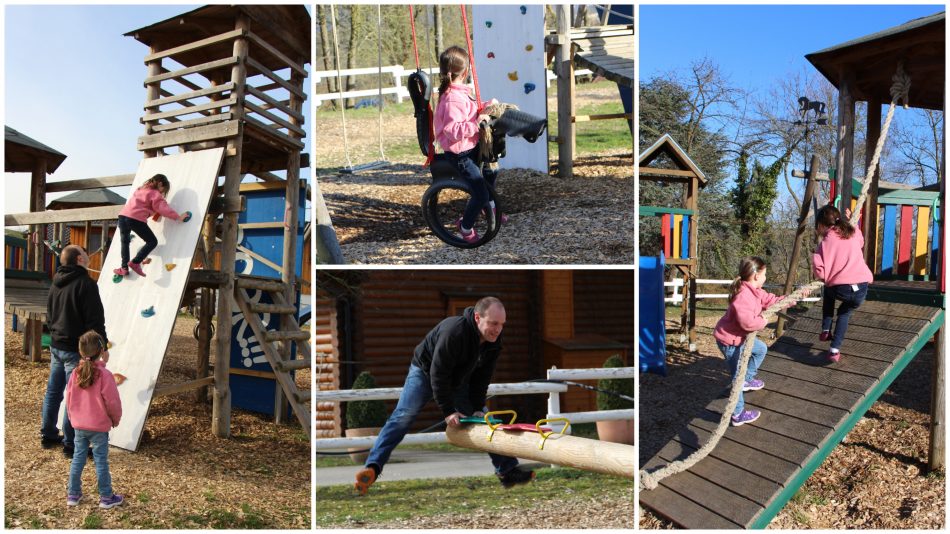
point(676, 288)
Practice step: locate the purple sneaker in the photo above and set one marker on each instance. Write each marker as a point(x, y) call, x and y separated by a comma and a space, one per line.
point(500, 216)
point(747, 416)
point(471, 237)
point(825, 335)
point(111, 502)
point(832, 356)
point(73, 500)
point(121, 271)
point(753, 385)
point(137, 269)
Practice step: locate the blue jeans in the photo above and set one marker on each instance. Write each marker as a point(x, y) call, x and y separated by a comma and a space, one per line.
point(850, 300)
point(465, 162)
point(128, 225)
point(733, 353)
point(416, 392)
point(99, 441)
point(61, 365)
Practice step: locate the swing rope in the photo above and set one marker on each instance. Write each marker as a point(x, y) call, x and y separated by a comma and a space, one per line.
point(379, 65)
point(339, 83)
point(471, 57)
point(650, 480)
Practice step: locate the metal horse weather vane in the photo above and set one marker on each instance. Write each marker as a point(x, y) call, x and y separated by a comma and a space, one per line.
point(811, 112)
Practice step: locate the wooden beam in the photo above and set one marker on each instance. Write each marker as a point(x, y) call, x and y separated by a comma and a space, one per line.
point(214, 104)
point(189, 135)
point(90, 183)
point(197, 69)
point(295, 66)
point(608, 116)
point(60, 216)
point(287, 110)
point(215, 39)
point(275, 119)
point(208, 92)
point(201, 121)
point(183, 386)
point(275, 78)
point(653, 171)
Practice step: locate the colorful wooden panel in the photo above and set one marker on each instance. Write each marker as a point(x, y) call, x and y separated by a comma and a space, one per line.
point(685, 235)
point(666, 234)
point(936, 237)
point(677, 239)
point(920, 245)
point(904, 239)
point(887, 237)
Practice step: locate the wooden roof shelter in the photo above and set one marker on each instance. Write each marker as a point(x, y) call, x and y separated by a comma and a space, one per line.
point(89, 197)
point(23, 153)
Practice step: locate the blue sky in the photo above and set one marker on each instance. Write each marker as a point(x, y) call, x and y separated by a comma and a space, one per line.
point(73, 82)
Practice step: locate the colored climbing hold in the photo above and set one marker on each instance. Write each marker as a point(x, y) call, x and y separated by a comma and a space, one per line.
point(491, 55)
point(116, 278)
point(148, 312)
point(187, 217)
point(119, 378)
point(523, 10)
point(108, 345)
point(170, 266)
point(488, 24)
point(146, 261)
point(513, 76)
point(529, 48)
point(528, 87)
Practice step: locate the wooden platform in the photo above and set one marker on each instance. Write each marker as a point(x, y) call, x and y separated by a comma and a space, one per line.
point(606, 51)
point(808, 406)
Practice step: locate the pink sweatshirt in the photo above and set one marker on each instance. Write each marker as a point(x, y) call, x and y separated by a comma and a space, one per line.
point(96, 408)
point(744, 314)
point(840, 261)
point(146, 201)
point(456, 120)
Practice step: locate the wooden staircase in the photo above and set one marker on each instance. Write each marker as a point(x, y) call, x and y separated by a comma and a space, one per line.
point(269, 339)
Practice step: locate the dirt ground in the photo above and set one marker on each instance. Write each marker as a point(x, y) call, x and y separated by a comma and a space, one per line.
point(876, 478)
point(180, 477)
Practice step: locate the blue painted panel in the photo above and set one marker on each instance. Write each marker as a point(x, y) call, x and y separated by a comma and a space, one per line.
point(889, 235)
point(652, 315)
point(684, 237)
point(935, 243)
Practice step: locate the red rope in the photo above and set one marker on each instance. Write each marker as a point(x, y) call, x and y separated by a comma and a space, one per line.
point(412, 24)
point(471, 58)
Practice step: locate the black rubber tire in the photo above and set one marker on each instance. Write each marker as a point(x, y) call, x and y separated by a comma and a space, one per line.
point(443, 203)
point(196, 331)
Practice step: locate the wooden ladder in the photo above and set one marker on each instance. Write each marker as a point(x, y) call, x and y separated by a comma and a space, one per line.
point(299, 399)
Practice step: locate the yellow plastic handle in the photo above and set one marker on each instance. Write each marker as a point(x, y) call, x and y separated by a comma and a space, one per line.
point(514, 415)
point(545, 436)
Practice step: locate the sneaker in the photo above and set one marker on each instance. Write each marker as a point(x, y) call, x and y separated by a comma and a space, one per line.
point(515, 477)
point(747, 416)
point(49, 443)
point(73, 500)
point(364, 479)
point(825, 335)
point(833, 356)
point(753, 385)
point(111, 502)
point(502, 218)
point(137, 269)
point(471, 237)
point(121, 271)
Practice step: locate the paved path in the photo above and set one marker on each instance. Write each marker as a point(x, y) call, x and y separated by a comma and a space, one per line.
point(413, 464)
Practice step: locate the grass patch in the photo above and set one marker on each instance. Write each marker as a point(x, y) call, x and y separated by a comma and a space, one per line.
point(92, 521)
point(244, 517)
point(338, 505)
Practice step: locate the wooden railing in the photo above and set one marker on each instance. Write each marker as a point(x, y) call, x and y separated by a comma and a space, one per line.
point(907, 244)
point(674, 230)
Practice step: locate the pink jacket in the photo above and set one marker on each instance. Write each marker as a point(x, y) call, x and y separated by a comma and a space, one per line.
point(96, 408)
point(744, 314)
point(840, 261)
point(456, 120)
point(146, 201)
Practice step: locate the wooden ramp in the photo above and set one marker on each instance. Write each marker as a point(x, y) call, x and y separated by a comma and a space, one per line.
point(139, 342)
point(807, 406)
point(607, 51)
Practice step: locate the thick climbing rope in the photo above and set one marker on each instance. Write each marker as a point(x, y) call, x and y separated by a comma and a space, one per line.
point(650, 480)
point(379, 79)
point(471, 58)
point(339, 84)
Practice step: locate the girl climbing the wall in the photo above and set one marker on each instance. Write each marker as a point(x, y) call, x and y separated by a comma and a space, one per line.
point(146, 201)
point(839, 262)
point(456, 125)
point(747, 301)
point(94, 407)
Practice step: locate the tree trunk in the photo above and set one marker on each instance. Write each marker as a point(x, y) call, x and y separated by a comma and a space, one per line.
point(325, 41)
point(439, 46)
point(355, 24)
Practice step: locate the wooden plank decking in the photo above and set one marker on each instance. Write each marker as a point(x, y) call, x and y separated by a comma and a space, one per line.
point(808, 406)
point(606, 51)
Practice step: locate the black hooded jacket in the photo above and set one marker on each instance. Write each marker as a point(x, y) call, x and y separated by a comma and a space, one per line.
point(453, 356)
point(73, 308)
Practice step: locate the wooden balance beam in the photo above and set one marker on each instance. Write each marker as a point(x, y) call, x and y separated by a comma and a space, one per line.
point(560, 449)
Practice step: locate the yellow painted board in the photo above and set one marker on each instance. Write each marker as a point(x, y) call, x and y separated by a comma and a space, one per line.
point(920, 244)
point(677, 230)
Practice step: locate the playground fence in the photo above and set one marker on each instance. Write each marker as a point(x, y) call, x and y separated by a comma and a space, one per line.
point(519, 388)
point(676, 290)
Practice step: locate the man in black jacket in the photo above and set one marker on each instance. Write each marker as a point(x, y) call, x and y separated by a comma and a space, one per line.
point(73, 307)
point(453, 365)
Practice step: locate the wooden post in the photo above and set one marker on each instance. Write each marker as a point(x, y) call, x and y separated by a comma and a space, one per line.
point(565, 93)
point(205, 312)
point(936, 458)
point(221, 407)
point(845, 152)
point(792, 274)
point(870, 205)
point(153, 91)
point(691, 202)
point(37, 203)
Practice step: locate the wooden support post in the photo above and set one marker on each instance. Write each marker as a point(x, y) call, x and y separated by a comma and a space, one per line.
point(870, 205)
point(792, 274)
point(582, 453)
point(37, 203)
point(36, 340)
point(564, 63)
point(205, 313)
point(152, 92)
point(936, 459)
point(221, 408)
point(844, 157)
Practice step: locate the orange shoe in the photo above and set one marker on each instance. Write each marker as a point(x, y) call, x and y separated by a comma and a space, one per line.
point(364, 479)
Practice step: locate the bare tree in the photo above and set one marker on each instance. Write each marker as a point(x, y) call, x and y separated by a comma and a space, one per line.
point(917, 140)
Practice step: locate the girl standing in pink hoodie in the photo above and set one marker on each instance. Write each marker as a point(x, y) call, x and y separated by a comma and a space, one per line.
point(94, 407)
point(456, 125)
point(146, 201)
point(747, 301)
point(839, 262)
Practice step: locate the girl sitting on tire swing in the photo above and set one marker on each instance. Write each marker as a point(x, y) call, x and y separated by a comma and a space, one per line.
point(456, 124)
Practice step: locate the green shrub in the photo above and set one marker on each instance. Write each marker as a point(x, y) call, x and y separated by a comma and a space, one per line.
point(624, 386)
point(365, 414)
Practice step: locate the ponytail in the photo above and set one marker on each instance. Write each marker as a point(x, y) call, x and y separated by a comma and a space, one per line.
point(155, 181)
point(452, 62)
point(748, 266)
point(829, 217)
point(91, 346)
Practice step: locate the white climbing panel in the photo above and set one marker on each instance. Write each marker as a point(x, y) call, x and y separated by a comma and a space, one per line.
point(139, 343)
point(509, 55)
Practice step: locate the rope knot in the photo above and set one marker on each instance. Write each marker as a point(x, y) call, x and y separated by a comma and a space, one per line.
point(900, 89)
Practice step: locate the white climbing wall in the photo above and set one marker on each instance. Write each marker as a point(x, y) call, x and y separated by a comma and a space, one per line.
point(509, 54)
point(139, 343)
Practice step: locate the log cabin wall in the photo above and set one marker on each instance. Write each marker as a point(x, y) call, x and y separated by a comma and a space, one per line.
point(604, 303)
point(327, 366)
